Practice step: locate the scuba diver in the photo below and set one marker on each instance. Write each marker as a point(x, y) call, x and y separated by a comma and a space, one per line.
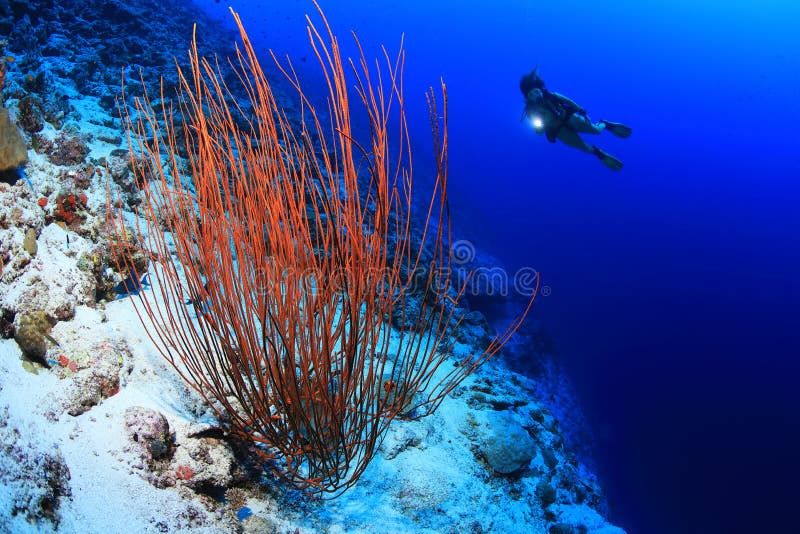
point(561, 118)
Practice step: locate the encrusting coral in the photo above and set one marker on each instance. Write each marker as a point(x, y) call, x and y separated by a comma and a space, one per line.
point(13, 151)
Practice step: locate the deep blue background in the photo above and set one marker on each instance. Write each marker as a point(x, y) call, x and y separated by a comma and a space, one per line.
point(674, 282)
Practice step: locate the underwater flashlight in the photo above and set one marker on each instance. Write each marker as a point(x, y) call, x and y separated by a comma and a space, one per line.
point(537, 123)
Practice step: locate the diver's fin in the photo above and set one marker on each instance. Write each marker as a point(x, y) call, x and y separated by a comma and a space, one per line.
point(617, 128)
point(608, 160)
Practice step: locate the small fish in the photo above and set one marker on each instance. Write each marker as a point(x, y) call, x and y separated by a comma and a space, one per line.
point(132, 285)
point(24, 176)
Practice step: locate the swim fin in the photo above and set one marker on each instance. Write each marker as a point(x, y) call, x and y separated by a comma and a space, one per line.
point(608, 160)
point(617, 128)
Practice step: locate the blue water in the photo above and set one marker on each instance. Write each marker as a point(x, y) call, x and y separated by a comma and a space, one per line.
point(674, 292)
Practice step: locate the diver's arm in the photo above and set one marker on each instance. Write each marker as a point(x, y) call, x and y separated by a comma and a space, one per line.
point(568, 104)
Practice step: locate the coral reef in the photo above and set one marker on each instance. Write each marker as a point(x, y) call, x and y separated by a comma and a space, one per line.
point(508, 448)
point(95, 377)
point(90, 43)
point(110, 413)
point(30, 115)
point(31, 331)
point(33, 480)
point(66, 149)
point(150, 435)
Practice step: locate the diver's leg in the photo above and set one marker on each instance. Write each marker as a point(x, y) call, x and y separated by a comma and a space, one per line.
point(571, 138)
point(583, 124)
